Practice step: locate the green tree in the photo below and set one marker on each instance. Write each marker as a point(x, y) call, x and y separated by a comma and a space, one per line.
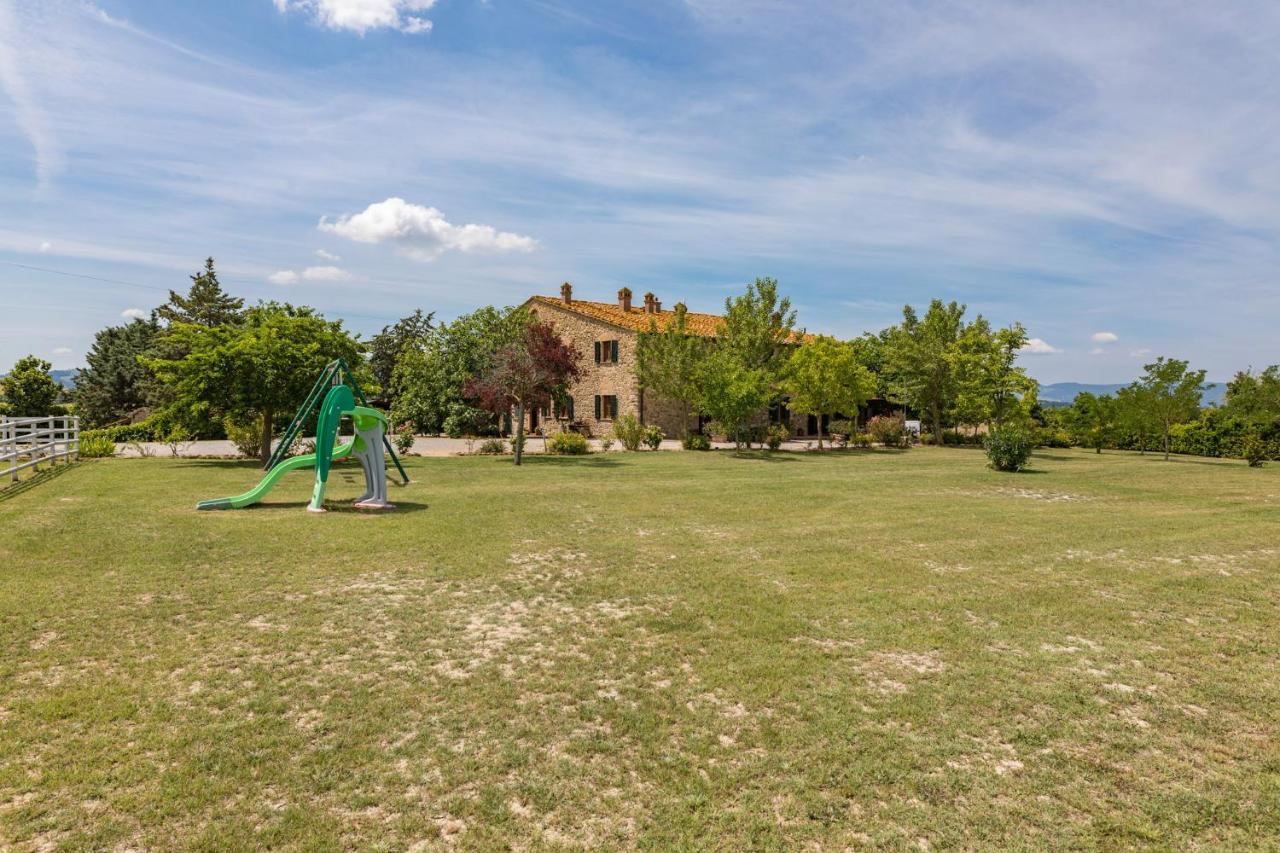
point(388, 346)
point(526, 374)
point(990, 386)
point(1134, 415)
point(824, 377)
point(115, 383)
point(1092, 420)
point(259, 368)
point(1171, 393)
point(730, 392)
point(205, 304)
point(667, 361)
point(1255, 397)
point(921, 356)
point(759, 330)
point(29, 389)
point(429, 379)
point(872, 351)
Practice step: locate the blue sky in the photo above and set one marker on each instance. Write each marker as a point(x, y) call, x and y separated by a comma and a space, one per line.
point(1106, 173)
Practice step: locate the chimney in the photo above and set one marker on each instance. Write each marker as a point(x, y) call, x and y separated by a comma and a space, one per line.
point(651, 304)
point(624, 299)
point(566, 292)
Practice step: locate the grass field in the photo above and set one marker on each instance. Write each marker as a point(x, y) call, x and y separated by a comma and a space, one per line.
point(703, 650)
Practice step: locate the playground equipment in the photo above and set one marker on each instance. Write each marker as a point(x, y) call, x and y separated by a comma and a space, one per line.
point(367, 445)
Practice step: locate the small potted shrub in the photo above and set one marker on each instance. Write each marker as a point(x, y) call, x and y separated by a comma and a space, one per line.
point(629, 431)
point(568, 443)
point(695, 441)
point(775, 435)
point(653, 437)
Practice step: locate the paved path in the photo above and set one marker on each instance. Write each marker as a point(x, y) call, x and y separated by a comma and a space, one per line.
point(423, 445)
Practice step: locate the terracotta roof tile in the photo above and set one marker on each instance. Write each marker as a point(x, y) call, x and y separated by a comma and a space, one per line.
point(706, 325)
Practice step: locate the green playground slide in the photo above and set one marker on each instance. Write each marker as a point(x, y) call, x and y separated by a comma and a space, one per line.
point(258, 492)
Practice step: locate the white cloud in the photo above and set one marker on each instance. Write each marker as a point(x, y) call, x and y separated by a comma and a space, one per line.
point(63, 351)
point(361, 16)
point(1036, 346)
point(326, 273)
point(18, 59)
point(1140, 353)
point(327, 256)
point(45, 245)
point(1105, 337)
point(422, 232)
point(134, 314)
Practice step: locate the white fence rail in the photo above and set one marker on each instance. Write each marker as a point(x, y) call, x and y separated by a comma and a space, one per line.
point(32, 442)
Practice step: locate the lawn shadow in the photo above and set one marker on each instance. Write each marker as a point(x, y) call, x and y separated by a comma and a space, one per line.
point(593, 460)
point(767, 455)
point(34, 480)
point(336, 507)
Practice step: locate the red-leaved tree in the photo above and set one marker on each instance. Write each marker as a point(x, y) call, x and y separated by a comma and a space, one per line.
point(525, 374)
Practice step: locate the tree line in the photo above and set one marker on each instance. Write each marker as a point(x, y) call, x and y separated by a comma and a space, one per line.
point(204, 365)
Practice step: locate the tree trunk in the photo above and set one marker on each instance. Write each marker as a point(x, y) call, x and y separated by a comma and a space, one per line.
point(819, 432)
point(937, 425)
point(264, 452)
point(519, 442)
point(1166, 445)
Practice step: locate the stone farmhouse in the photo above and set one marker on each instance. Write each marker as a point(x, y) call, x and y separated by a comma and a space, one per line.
point(607, 334)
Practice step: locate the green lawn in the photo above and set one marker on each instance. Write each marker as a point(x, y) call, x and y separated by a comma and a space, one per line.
point(671, 649)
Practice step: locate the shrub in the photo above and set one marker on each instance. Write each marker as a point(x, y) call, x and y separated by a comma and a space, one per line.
point(1254, 450)
point(628, 430)
point(1049, 437)
point(463, 420)
point(840, 432)
point(178, 439)
point(695, 441)
point(860, 439)
point(606, 443)
point(1009, 448)
point(757, 434)
point(95, 445)
point(775, 435)
point(653, 437)
point(889, 430)
point(404, 439)
point(492, 447)
point(246, 437)
point(568, 443)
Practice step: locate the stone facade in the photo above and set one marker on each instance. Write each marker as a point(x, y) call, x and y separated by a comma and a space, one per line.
point(606, 379)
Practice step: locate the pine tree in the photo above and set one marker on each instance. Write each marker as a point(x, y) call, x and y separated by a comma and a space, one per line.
point(205, 304)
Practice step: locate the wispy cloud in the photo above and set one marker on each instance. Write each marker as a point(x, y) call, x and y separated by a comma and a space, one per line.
point(1104, 337)
point(16, 57)
point(1036, 346)
point(134, 314)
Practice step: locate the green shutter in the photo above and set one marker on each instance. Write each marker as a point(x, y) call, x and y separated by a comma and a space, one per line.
point(597, 352)
point(597, 407)
point(614, 348)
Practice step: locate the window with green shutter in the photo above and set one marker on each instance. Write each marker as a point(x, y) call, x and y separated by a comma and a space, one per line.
point(606, 352)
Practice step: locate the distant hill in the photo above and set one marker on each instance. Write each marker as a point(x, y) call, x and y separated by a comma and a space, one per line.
point(65, 378)
point(1063, 393)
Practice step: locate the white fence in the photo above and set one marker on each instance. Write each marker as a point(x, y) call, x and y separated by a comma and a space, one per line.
point(32, 442)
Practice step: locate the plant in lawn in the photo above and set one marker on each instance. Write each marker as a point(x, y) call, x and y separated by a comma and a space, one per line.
point(177, 440)
point(266, 364)
point(860, 439)
point(606, 443)
point(1170, 393)
point(824, 378)
point(629, 431)
point(29, 389)
point(246, 437)
point(568, 444)
point(526, 373)
point(774, 435)
point(695, 441)
point(488, 447)
point(95, 446)
point(1254, 450)
point(667, 361)
point(921, 357)
point(404, 438)
point(1009, 447)
point(840, 431)
point(653, 437)
point(730, 392)
point(889, 430)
